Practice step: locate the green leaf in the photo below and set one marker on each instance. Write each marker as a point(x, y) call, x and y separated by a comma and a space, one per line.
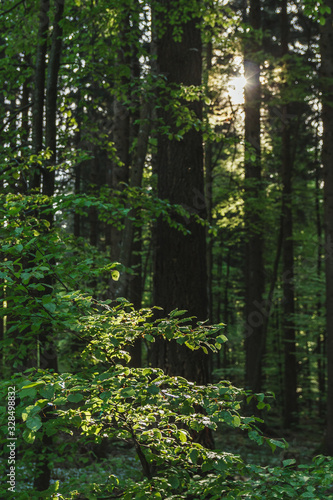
point(33, 384)
point(221, 339)
point(75, 398)
point(27, 392)
point(279, 444)
point(128, 392)
point(173, 481)
point(176, 313)
point(29, 436)
point(115, 275)
point(236, 421)
point(60, 401)
point(182, 436)
point(290, 461)
point(153, 389)
point(193, 456)
point(207, 465)
point(50, 306)
point(34, 423)
point(47, 391)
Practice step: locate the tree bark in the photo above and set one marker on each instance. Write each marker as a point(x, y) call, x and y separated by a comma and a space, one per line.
point(121, 134)
point(48, 353)
point(51, 97)
point(39, 89)
point(321, 334)
point(254, 272)
point(180, 275)
point(326, 48)
point(288, 307)
point(136, 173)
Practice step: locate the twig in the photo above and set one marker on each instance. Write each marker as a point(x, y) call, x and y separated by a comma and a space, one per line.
point(17, 112)
point(12, 8)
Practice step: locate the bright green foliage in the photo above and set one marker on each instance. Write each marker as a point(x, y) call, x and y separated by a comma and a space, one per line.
point(102, 398)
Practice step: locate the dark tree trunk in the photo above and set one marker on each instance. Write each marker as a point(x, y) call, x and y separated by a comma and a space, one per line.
point(254, 273)
point(48, 354)
point(51, 97)
point(47, 348)
point(77, 189)
point(180, 279)
point(288, 307)
point(121, 134)
point(25, 122)
point(208, 164)
point(136, 173)
point(321, 334)
point(326, 47)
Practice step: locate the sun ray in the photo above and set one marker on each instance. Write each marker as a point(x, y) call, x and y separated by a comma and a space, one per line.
point(236, 89)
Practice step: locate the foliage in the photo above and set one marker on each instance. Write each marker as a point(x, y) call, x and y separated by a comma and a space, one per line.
point(105, 400)
point(55, 286)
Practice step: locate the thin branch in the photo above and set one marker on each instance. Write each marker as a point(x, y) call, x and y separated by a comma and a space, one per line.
point(12, 8)
point(16, 112)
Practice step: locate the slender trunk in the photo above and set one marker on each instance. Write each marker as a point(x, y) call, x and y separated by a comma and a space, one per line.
point(136, 174)
point(209, 191)
point(135, 291)
point(321, 336)
point(51, 98)
point(180, 277)
point(121, 134)
point(78, 170)
point(25, 122)
point(288, 325)
point(226, 307)
point(326, 48)
point(95, 183)
point(254, 273)
point(48, 353)
point(39, 90)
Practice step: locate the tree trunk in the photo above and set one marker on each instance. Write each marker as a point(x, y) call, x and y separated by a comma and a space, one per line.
point(288, 307)
point(180, 275)
point(326, 48)
point(121, 134)
point(136, 173)
point(254, 272)
point(39, 90)
point(48, 354)
point(321, 334)
point(51, 97)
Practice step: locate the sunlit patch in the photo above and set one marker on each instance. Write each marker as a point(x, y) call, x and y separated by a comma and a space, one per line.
point(236, 89)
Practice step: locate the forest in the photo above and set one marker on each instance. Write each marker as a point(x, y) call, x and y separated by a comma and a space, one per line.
point(166, 241)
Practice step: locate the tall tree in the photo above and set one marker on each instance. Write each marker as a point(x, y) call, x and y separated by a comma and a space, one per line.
point(254, 275)
point(288, 325)
point(326, 48)
point(39, 88)
point(180, 260)
point(47, 349)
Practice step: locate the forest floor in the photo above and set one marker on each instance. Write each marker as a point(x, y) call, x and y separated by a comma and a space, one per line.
point(304, 443)
point(90, 467)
